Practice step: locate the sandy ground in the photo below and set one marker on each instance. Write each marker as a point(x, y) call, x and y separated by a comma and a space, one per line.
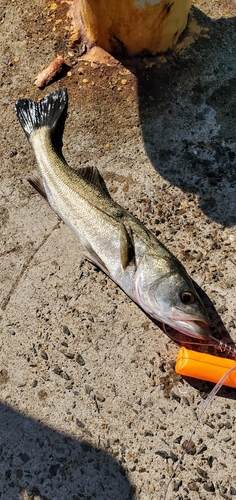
point(90, 404)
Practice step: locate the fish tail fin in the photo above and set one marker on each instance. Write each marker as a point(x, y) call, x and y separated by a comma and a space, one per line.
point(33, 115)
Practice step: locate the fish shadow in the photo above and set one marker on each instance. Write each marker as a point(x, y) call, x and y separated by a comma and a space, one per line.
point(39, 461)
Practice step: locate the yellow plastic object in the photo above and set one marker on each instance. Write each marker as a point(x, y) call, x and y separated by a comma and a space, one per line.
point(205, 367)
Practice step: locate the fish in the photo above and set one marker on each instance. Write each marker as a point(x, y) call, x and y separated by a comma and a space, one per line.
point(112, 238)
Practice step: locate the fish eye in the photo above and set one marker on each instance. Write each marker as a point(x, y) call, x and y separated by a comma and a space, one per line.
point(187, 297)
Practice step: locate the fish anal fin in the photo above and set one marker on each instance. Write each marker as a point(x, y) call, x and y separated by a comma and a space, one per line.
point(37, 183)
point(92, 175)
point(127, 253)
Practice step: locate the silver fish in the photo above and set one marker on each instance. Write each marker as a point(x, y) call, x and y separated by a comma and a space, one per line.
point(112, 238)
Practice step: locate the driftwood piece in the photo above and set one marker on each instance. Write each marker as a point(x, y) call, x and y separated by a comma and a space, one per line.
point(47, 74)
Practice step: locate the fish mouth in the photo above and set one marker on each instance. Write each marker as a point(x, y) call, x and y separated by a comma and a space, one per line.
point(196, 326)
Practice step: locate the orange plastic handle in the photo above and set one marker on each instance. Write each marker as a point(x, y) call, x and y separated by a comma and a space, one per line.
point(204, 366)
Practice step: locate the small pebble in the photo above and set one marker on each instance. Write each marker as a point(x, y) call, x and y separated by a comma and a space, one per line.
point(42, 394)
point(44, 355)
point(80, 360)
point(100, 397)
point(176, 485)
point(210, 461)
point(57, 370)
point(70, 385)
point(148, 433)
point(202, 449)
point(209, 486)
point(202, 472)
point(4, 376)
point(88, 388)
point(175, 397)
point(189, 447)
point(19, 473)
point(173, 457)
point(148, 404)
point(185, 401)
point(11, 332)
point(66, 330)
point(69, 355)
point(192, 486)
point(178, 439)
point(79, 423)
point(162, 454)
point(24, 457)
point(210, 434)
point(223, 489)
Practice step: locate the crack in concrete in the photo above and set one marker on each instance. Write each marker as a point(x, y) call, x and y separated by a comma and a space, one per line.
point(25, 267)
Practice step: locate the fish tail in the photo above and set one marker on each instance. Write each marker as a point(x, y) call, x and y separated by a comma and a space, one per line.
point(33, 115)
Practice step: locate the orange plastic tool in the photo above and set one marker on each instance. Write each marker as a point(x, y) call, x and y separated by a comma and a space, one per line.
point(205, 367)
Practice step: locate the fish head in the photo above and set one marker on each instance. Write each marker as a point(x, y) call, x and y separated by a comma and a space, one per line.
point(166, 292)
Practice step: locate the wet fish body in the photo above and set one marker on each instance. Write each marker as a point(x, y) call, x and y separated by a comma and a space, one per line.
point(112, 238)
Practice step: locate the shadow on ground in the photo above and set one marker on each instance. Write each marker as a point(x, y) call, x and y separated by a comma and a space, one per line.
point(187, 105)
point(48, 465)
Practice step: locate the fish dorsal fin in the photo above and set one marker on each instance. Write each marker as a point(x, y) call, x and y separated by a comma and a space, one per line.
point(92, 175)
point(37, 183)
point(127, 253)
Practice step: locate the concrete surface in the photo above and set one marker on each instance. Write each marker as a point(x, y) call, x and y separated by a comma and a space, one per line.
point(90, 404)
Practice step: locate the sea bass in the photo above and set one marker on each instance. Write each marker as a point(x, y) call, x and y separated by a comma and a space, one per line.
point(112, 238)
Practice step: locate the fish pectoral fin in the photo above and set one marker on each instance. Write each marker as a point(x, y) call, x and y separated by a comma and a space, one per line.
point(37, 183)
point(92, 175)
point(127, 253)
